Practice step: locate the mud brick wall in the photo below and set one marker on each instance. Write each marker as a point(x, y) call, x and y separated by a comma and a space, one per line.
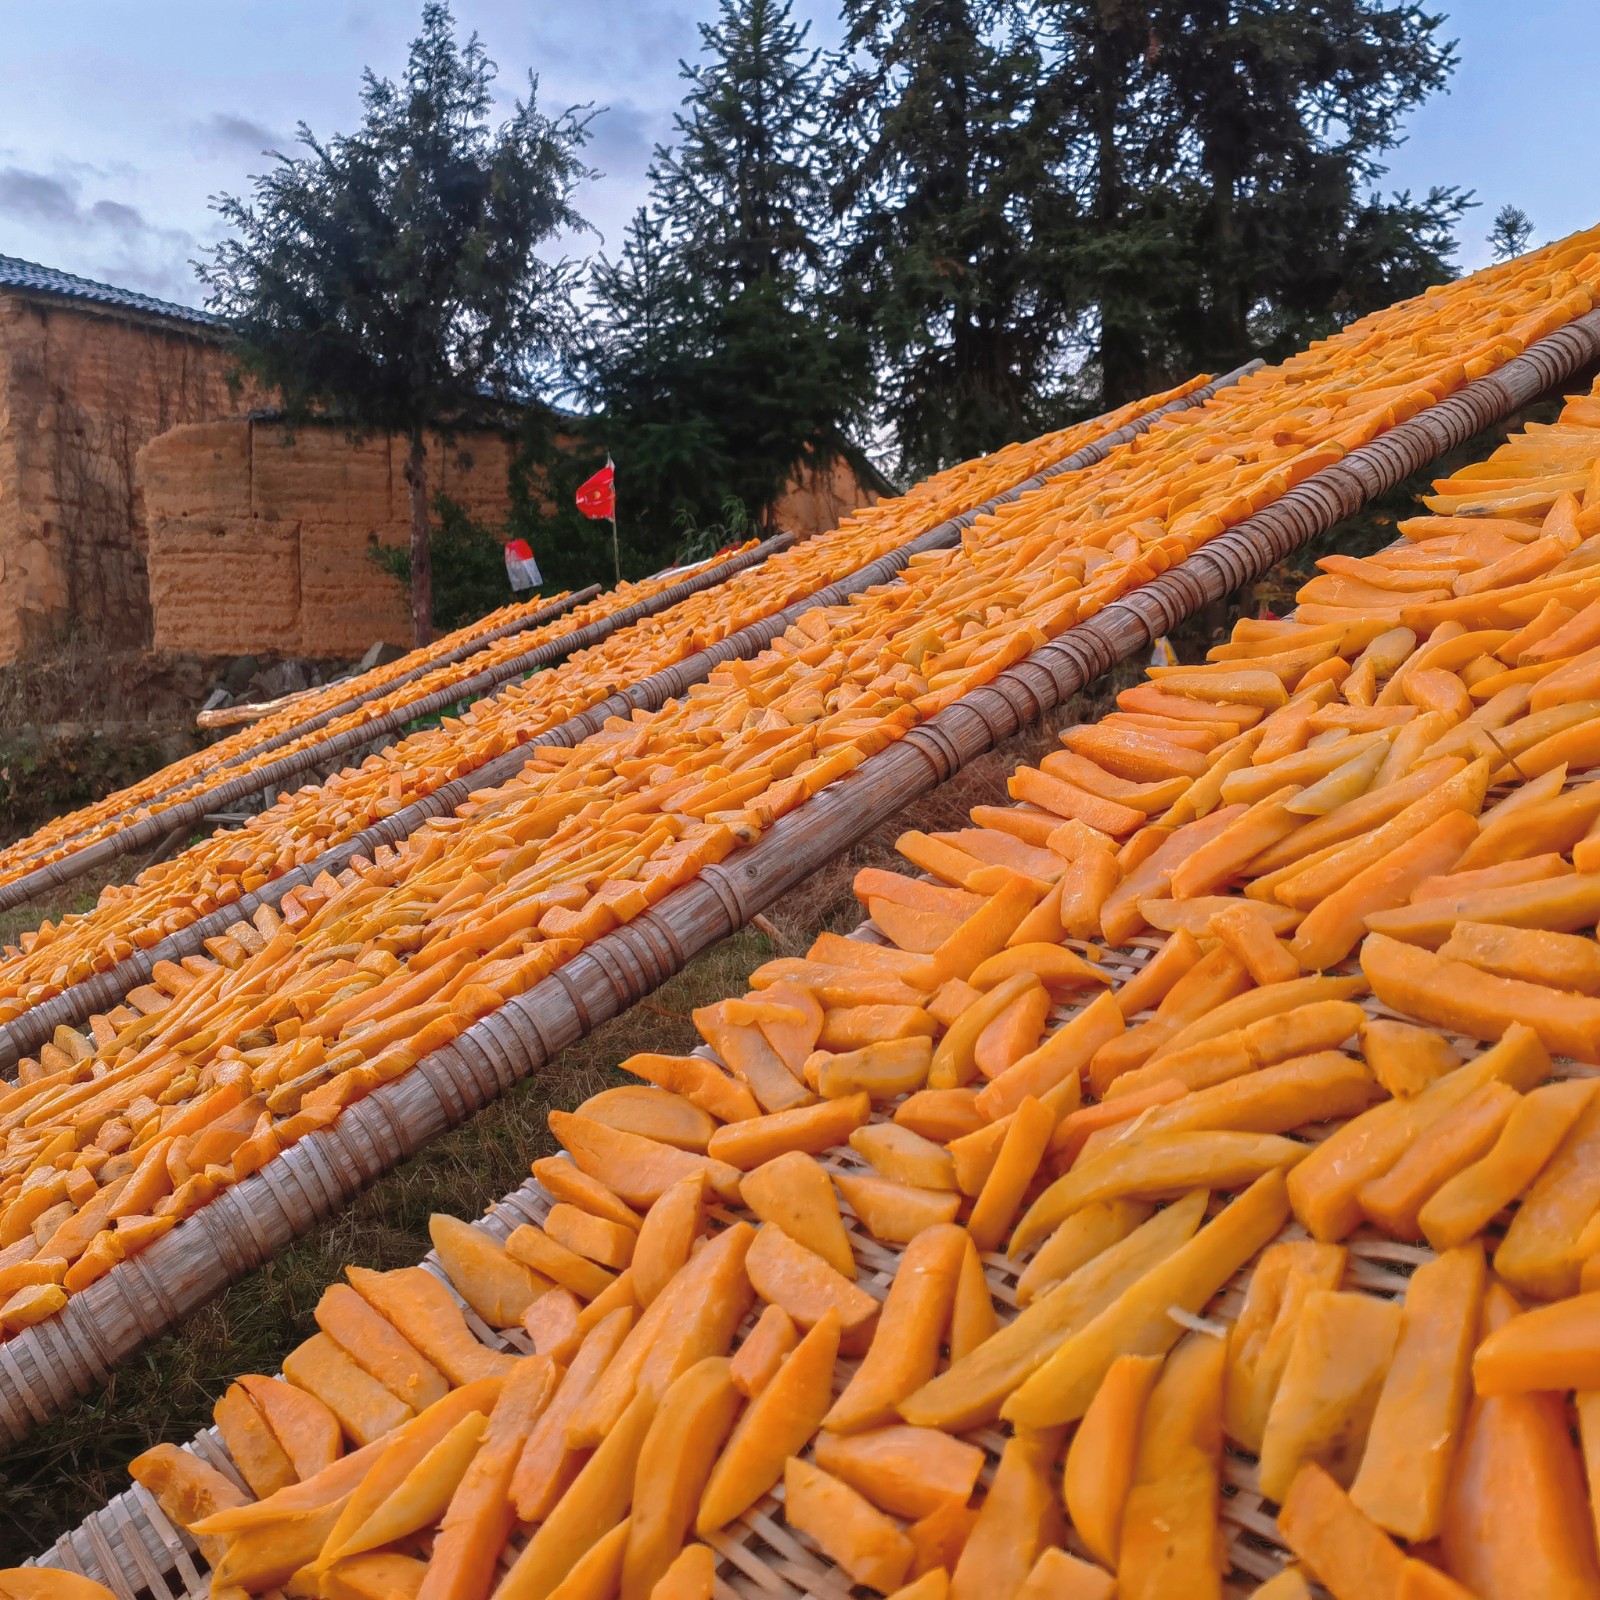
point(258, 534)
point(81, 391)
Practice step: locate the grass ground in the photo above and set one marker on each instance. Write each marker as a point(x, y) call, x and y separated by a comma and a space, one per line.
point(71, 1466)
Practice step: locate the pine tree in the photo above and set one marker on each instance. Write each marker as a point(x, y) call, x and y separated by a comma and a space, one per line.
point(1232, 192)
point(1511, 234)
point(390, 279)
point(718, 364)
point(955, 219)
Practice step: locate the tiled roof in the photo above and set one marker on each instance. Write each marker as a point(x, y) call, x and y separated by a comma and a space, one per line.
point(16, 273)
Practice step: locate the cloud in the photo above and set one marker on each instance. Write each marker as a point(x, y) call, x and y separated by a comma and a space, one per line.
point(105, 238)
point(224, 132)
point(126, 220)
point(36, 197)
point(623, 137)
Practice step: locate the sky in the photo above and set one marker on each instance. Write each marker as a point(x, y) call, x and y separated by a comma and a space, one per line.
point(119, 118)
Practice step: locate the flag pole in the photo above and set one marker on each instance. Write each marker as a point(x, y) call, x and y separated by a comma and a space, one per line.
point(616, 552)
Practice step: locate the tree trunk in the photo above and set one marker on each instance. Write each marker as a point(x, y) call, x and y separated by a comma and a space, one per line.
point(421, 563)
point(1124, 360)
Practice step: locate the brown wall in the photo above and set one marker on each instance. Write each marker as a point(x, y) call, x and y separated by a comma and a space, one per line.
point(139, 505)
point(258, 536)
point(819, 498)
point(80, 393)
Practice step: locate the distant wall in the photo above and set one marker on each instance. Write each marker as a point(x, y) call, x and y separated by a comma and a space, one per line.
point(258, 535)
point(81, 390)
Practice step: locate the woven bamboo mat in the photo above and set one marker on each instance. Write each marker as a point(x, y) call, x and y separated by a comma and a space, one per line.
point(131, 1546)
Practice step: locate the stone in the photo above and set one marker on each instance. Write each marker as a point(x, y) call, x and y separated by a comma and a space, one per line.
point(379, 654)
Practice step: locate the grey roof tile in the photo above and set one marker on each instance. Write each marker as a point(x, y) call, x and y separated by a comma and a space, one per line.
point(16, 273)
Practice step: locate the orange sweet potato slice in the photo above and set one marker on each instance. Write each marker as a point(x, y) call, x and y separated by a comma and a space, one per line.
point(1404, 1058)
point(1329, 1387)
point(712, 1294)
point(701, 1082)
point(551, 1322)
point(908, 1472)
point(1008, 1037)
point(262, 1461)
point(904, 1353)
point(497, 1286)
point(547, 1261)
point(850, 1531)
point(302, 1424)
point(853, 1027)
point(1515, 1511)
point(607, 1244)
point(670, 1229)
point(692, 1575)
point(365, 1409)
point(751, 1059)
point(1019, 1518)
point(423, 1311)
point(188, 1490)
point(379, 1575)
point(757, 1360)
point(882, 1070)
point(807, 1129)
point(780, 1419)
point(915, 931)
point(940, 1115)
point(1168, 1540)
point(794, 1193)
point(568, 1182)
point(973, 1317)
point(1339, 1545)
point(639, 1170)
point(902, 1156)
point(1100, 1460)
point(894, 1212)
point(785, 1273)
point(938, 1539)
point(653, 1113)
point(674, 1463)
point(594, 1503)
point(548, 1463)
point(378, 1348)
point(793, 1037)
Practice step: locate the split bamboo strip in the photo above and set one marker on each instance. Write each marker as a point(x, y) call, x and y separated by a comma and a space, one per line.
point(42, 1367)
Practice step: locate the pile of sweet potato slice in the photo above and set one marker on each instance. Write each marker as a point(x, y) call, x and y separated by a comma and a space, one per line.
point(1034, 1251)
point(301, 826)
point(202, 1076)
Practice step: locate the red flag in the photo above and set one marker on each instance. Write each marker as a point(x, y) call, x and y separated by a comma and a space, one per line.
point(598, 496)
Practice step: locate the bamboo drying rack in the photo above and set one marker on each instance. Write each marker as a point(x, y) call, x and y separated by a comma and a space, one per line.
point(104, 990)
point(46, 1366)
point(537, 618)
